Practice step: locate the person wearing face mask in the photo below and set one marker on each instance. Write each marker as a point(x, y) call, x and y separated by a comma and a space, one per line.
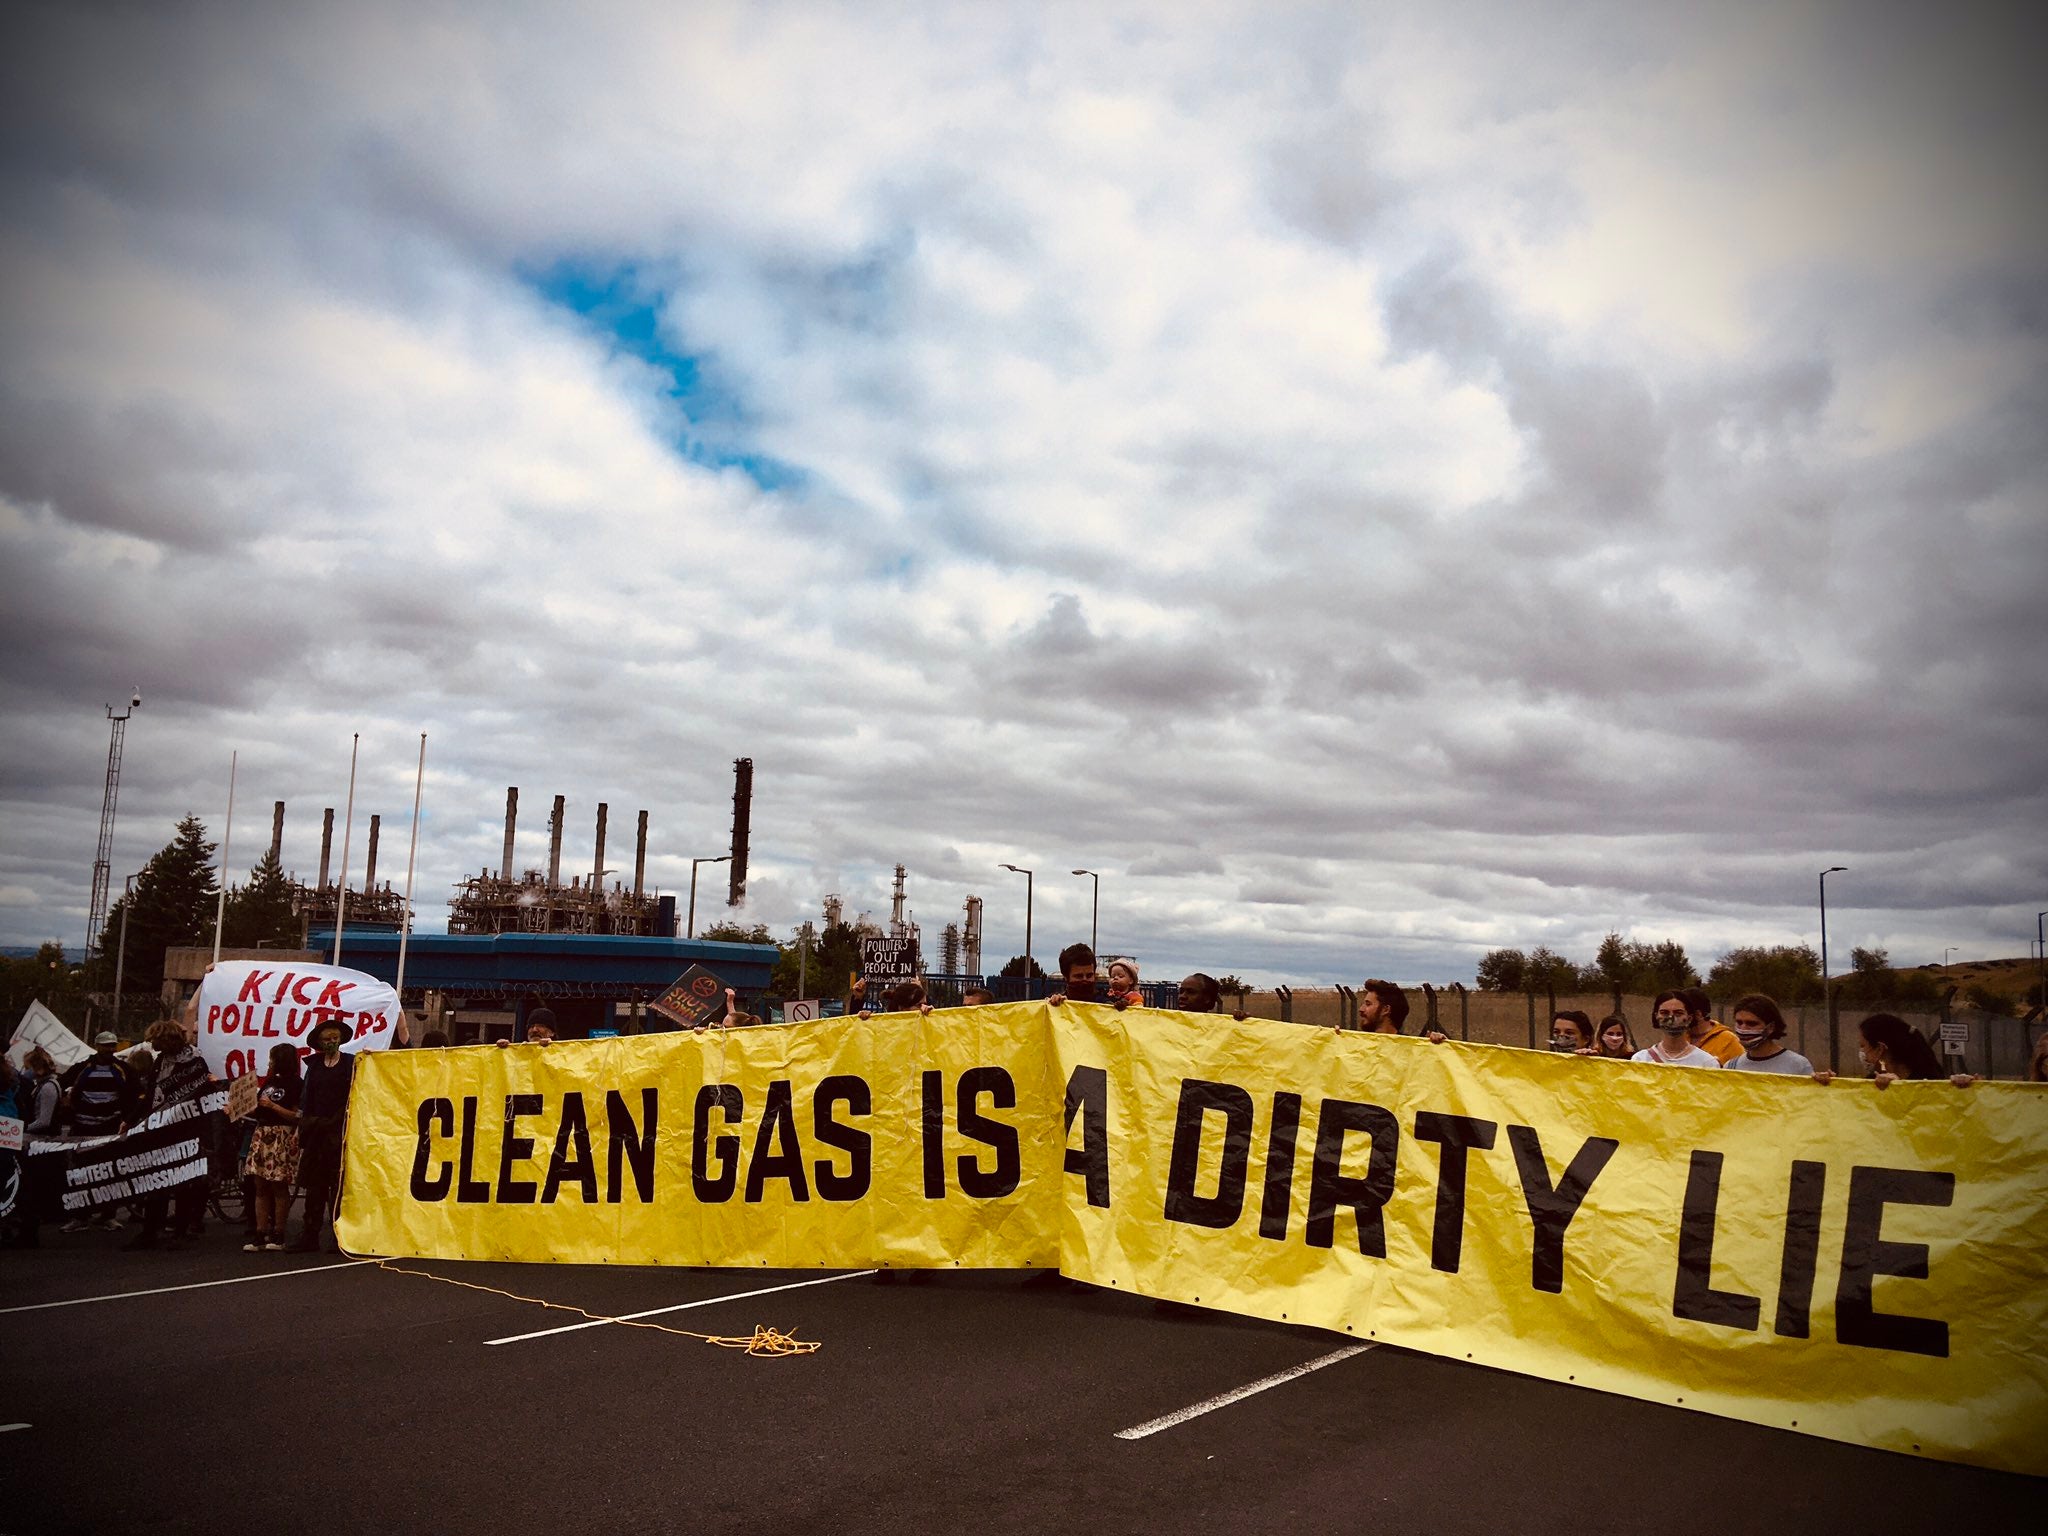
point(1571, 1033)
point(1673, 1018)
point(1891, 1049)
point(1617, 1041)
point(323, 1111)
point(1078, 981)
point(1761, 1027)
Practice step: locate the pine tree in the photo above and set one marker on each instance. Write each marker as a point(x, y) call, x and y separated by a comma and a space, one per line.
point(260, 913)
point(172, 905)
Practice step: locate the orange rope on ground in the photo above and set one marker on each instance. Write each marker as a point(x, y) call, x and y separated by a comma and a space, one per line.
point(763, 1341)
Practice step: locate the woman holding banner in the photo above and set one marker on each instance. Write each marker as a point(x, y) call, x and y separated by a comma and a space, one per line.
point(273, 1160)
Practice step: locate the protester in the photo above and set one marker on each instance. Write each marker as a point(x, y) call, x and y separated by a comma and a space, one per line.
point(37, 1095)
point(13, 1173)
point(1617, 1040)
point(102, 1099)
point(1707, 1032)
point(1382, 1008)
point(1673, 1016)
point(1893, 1049)
point(903, 996)
point(2037, 1064)
point(977, 997)
point(1077, 976)
point(540, 1028)
point(1123, 985)
point(1760, 1025)
point(434, 1040)
point(1571, 1031)
point(323, 1110)
point(273, 1158)
point(181, 1076)
point(36, 1101)
point(1199, 993)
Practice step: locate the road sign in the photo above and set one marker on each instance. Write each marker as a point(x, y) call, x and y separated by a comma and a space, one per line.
point(1955, 1036)
point(800, 1010)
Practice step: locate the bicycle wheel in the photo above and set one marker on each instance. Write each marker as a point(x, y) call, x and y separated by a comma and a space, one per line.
point(225, 1201)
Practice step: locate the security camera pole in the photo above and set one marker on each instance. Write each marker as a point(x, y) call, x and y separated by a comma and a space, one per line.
point(102, 871)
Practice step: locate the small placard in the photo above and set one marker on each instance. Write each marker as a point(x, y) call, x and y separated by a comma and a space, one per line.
point(242, 1095)
point(884, 962)
point(696, 998)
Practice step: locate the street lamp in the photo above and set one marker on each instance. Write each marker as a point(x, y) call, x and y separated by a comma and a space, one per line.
point(1094, 905)
point(121, 952)
point(2041, 943)
point(1951, 949)
point(1013, 869)
point(1827, 994)
point(690, 932)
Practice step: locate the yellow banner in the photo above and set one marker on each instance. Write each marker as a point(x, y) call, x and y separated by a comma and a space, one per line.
point(1868, 1266)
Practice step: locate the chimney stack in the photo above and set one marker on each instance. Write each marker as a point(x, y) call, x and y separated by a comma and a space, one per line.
point(277, 831)
point(370, 869)
point(326, 844)
point(640, 859)
point(555, 843)
point(597, 862)
point(511, 821)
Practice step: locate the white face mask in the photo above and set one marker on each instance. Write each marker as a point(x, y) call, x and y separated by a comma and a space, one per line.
point(1753, 1034)
point(1863, 1055)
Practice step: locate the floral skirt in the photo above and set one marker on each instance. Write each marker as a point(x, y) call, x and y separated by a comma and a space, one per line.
point(273, 1154)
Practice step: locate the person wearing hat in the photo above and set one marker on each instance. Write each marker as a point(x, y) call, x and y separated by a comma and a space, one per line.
point(323, 1110)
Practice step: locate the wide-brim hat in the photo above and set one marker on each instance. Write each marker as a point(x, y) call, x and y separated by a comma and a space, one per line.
point(313, 1034)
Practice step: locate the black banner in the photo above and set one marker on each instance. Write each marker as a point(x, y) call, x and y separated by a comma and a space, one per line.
point(171, 1147)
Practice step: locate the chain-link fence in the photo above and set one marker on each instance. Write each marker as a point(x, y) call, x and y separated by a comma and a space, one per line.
point(1993, 1045)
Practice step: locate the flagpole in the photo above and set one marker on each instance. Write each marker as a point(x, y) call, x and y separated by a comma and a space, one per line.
point(411, 853)
point(227, 838)
point(348, 826)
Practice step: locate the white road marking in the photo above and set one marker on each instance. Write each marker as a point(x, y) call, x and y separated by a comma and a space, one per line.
point(6, 1427)
point(1238, 1394)
point(681, 1306)
point(197, 1285)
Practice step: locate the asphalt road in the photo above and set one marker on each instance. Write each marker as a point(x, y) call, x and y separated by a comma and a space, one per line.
point(345, 1398)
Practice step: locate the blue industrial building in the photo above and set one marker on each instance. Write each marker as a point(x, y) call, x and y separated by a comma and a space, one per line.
point(590, 982)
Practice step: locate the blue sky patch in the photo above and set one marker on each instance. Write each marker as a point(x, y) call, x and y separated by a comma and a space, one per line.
point(619, 301)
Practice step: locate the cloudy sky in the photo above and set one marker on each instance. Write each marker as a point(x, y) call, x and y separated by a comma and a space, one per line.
point(1377, 482)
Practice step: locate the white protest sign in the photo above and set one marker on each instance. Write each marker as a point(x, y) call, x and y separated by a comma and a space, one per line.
point(40, 1027)
point(800, 1010)
point(247, 1007)
point(11, 1131)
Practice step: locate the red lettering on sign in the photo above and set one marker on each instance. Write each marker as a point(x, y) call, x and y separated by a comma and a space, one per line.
point(299, 991)
point(331, 997)
point(252, 986)
point(278, 995)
